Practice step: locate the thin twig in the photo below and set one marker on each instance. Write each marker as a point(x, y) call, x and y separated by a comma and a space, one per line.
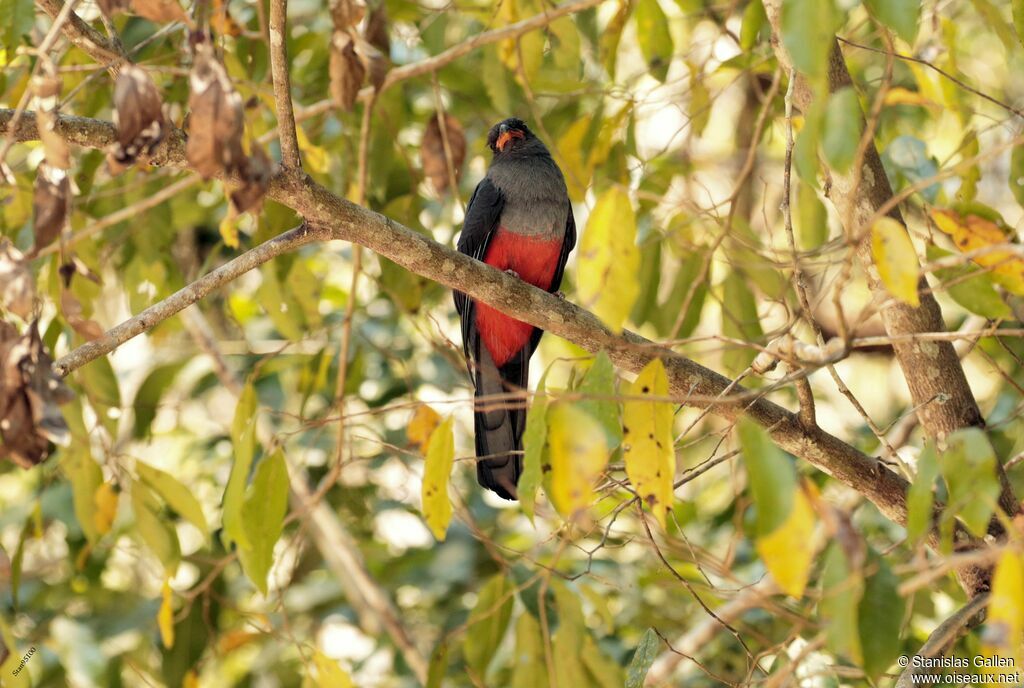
point(282, 84)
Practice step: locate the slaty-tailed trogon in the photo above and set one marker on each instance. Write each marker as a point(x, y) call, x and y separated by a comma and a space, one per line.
point(518, 220)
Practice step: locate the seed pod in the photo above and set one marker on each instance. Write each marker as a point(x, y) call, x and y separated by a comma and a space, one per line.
point(347, 70)
point(346, 13)
point(432, 155)
point(215, 123)
point(255, 174)
point(138, 116)
point(376, 32)
point(374, 62)
point(51, 202)
point(17, 288)
point(161, 11)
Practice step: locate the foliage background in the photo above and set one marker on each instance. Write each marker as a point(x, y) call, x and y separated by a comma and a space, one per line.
point(661, 100)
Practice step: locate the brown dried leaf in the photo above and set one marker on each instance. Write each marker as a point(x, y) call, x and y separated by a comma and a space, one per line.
point(17, 288)
point(432, 155)
point(46, 86)
point(30, 396)
point(72, 311)
point(347, 13)
point(221, 20)
point(215, 123)
point(346, 69)
point(374, 62)
point(161, 11)
point(138, 116)
point(111, 7)
point(376, 32)
point(255, 175)
point(51, 203)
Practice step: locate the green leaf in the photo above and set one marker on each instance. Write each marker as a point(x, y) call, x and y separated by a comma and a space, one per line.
point(282, 310)
point(808, 32)
point(899, 15)
point(644, 656)
point(811, 218)
point(968, 466)
point(648, 444)
point(842, 129)
point(534, 439)
point(243, 441)
point(530, 667)
point(920, 498)
point(698, 105)
point(880, 616)
point(609, 43)
point(608, 255)
point(1005, 621)
point(575, 158)
point(805, 148)
point(155, 531)
point(12, 662)
point(739, 321)
point(754, 19)
point(438, 665)
point(685, 285)
point(487, 623)
point(17, 18)
point(970, 287)
point(771, 476)
point(599, 381)
point(85, 477)
point(1017, 8)
point(437, 470)
point(566, 643)
point(1017, 174)
point(601, 670)
point(842, 590)
point(147, 399)
point(896, 259)
point(178, 497)
point(101, 388)
point(263, 512)
point(645, 307)
point(654, 37)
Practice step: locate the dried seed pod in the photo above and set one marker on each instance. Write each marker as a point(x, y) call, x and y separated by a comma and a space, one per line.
point(17, 288)
point(138, 116)
point(215, 123)
point(71, 308)
point(376, 32)
point(30, 397)
point(347, 13)
point(432, 155)
point(51, 203)
point(374, 62)
point(255, 174)
point(46, 86)
point(347, 70)
point(162, 11)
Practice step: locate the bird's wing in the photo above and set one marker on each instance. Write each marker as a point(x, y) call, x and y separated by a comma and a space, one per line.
point(482, 218)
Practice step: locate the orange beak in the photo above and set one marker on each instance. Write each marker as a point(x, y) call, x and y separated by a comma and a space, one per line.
point(507, 136)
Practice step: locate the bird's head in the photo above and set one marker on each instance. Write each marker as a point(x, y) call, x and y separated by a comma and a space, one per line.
point(509, 135)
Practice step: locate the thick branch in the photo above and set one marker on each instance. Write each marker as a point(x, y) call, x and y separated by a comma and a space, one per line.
point(282, 84)
point(336, 218)
point(938, 386)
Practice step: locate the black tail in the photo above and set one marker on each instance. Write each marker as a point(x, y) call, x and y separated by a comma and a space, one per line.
point(500, 423)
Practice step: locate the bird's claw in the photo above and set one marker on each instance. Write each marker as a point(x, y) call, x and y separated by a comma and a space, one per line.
point(513, 273)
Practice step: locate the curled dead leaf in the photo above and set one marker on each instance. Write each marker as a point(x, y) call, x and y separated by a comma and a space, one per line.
point(432, 155)
point(347, 13)
point(215, 123)
point(138, 116)
point(30, 397)
point(46, 86)
point(71, 308)
point(375, 63)
point(346, 69)
point(17, 288)
point(51, 202)
point(161, 11)
point(254, 172)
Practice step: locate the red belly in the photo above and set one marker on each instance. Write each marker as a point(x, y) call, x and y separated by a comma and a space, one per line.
point(535, 260)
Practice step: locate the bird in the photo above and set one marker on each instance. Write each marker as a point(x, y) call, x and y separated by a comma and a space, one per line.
point(519, 220)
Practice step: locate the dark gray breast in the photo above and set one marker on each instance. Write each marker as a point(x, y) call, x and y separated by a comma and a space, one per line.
point(536, 200)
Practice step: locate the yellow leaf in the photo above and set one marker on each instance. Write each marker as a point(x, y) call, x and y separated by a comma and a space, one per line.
point(328, 673)
point(895, 259)
point(578, 454)
point(191, 679)
point(972, 232)
point(1004, 627)
point(232, 640)
point(787, 551)
point(165, 617)
point(647, 445)
point(609, 260)
point(105, 499)
point(315, 157)
point(423, 422)
point(904, 96)
point(437, 507)
point(574, 160)
point(229, 230)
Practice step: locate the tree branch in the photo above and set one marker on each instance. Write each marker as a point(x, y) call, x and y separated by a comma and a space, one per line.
point(332, 217)
point(282, 84)
point(945, 635)
point(932, 371)
point(88, 39)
